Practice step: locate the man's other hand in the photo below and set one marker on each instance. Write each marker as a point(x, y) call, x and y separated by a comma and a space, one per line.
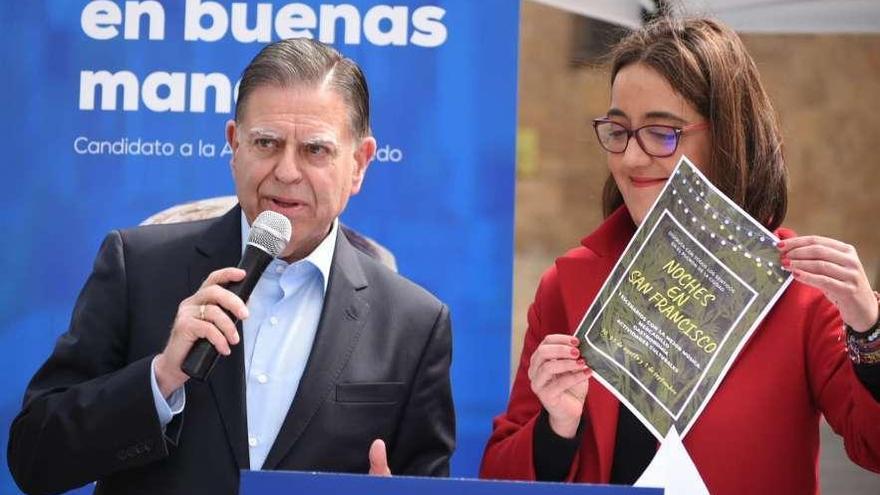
point(379, 459)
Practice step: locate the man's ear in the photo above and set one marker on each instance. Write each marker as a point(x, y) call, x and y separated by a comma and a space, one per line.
point(363, 155)
point(232, 139)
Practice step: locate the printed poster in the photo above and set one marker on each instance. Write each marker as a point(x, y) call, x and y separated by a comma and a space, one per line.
point(691, 287)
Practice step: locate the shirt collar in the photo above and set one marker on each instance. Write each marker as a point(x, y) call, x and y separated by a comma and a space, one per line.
point(321, 256)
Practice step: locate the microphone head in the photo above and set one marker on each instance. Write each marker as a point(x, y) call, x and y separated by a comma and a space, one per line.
point(270, 232)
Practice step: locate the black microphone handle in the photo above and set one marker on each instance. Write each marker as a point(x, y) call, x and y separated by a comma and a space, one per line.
point(203, 356)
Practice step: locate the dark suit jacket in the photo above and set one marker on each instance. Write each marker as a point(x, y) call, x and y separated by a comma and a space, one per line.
point(379, 368)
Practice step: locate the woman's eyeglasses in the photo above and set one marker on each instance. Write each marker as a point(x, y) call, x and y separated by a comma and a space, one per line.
point(658, 141)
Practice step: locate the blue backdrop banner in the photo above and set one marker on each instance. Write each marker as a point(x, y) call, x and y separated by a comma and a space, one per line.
point(114, 110)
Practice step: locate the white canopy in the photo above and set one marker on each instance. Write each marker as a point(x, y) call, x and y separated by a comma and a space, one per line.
point(766, 16)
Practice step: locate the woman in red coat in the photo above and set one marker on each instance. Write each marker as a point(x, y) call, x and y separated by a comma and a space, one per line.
point(689, 87)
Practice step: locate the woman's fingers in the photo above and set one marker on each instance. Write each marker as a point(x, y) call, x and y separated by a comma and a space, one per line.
point(563, 382)
point(556, 369)
point(554, 346)
point(550, 369)
point(794, 243)
point(834, 268)
point(823, 268)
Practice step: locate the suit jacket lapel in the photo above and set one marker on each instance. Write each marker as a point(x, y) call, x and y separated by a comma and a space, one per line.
point(219, 248)
point(342, 321)
point(581, 276)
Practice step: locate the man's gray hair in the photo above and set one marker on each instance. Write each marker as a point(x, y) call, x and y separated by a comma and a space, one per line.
point(302, 61)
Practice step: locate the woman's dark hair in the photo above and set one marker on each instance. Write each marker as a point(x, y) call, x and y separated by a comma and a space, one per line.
point(707, 64)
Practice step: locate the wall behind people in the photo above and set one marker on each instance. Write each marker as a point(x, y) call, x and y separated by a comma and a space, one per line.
point(115, 110)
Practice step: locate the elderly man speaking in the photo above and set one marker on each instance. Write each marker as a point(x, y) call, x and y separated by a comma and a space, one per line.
point(340, 364)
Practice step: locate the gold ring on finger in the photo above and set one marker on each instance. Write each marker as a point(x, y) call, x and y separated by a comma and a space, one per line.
point(202, 312)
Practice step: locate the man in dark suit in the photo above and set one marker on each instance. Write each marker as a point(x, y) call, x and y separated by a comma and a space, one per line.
point(337, 356)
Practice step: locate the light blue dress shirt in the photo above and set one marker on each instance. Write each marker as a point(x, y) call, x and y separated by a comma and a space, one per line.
point(285, 309)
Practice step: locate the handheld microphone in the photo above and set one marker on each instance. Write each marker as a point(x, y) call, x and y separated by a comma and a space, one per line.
point(269, 235)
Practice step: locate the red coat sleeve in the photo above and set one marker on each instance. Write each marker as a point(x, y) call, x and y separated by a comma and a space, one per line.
point(848, 406)
point(509, 453)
